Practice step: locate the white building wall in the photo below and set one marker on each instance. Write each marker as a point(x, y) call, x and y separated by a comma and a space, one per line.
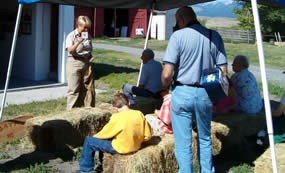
point(32, 55)
point(158, 27)
point(170, 22)
point(35, 63)
point(162, 24)
point(24, 58)
point(23, 62)
point(42, 41)
point(66, 25)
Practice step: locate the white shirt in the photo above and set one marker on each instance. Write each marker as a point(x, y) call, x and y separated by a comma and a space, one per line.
point(84, 49)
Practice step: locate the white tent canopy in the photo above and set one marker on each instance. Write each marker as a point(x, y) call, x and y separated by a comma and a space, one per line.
point(161, 5)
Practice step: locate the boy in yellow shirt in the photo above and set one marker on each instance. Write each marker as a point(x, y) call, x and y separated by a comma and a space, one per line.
point(124, 133)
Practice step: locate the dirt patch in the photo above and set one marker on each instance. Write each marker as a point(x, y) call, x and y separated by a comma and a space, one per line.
point(13, 128)
point(19, 157)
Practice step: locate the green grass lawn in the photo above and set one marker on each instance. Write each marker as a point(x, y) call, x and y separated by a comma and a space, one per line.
point(112, 70)
point(115, 69)
point(274, 55)
point(134, 42)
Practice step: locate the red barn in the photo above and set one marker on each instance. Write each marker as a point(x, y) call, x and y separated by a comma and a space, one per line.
point(128, 22)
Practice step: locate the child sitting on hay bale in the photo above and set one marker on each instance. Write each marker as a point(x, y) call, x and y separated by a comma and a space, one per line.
point(161, 121)
point(124, 133)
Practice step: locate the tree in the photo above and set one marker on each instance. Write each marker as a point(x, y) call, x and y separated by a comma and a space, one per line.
point(244, 16)
point(272, 18)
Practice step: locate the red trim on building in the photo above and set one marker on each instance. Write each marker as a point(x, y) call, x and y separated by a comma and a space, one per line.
point(98, 21)
point(137, 19)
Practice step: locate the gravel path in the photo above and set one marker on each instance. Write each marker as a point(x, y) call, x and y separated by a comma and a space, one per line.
point(36, 94)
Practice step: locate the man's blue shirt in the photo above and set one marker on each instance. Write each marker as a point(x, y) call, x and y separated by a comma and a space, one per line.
point(188, 50)
point(151, 76)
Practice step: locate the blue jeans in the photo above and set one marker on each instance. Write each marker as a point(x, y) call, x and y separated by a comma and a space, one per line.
point(129, 90)
point(188, 102)
point(90, 146)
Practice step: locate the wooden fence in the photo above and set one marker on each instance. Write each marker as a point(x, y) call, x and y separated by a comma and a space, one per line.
point(239, 36)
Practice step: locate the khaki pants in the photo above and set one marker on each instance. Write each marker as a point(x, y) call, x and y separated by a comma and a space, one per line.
point(89, 100)
point(80, 78)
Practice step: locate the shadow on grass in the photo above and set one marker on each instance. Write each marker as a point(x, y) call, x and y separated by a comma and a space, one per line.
point(102, 70)
point(239, 145)
point(53, 139)
point(244, 153)
point(36, 157)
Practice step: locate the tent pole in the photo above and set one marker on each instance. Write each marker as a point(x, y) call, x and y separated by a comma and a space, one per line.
point(146, 41)
point(11, 57)
point(115, 21)
point(148, 29)
point(264, 83)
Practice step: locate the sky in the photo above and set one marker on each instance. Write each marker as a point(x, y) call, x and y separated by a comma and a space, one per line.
point(218, 8)
point(226, 2)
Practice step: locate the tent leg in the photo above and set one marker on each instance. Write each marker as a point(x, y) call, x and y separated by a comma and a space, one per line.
point(264, 83)
point(148, 29)
point(11, 57)
point(146, 41)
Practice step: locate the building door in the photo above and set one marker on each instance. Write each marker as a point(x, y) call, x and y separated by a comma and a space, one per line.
point(54, 43)
point(115, 22)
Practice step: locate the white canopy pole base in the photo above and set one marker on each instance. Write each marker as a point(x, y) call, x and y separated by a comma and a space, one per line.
point(264, 84)
point(11, 57)
point(146, 41)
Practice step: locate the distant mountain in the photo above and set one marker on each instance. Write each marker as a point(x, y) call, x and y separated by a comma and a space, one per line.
point(218, 8)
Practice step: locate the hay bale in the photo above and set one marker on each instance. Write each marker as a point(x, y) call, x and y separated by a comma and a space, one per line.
point(147, 105)
point(226, 131)
point(217, 130)
point(65, 130)
point(263, 164)
point(230, 130)
point(156, 156)
point(106, 107)
point(237, 126)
